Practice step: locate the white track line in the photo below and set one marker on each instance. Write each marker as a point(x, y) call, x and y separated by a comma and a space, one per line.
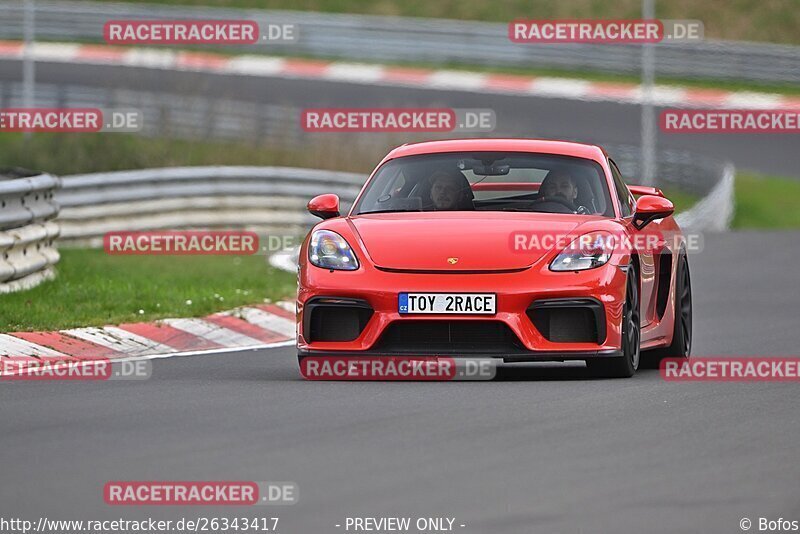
point(158, 59)
point(455, 79)
point(62, 52)
point(560, 87)
point(255, 65)
point(753, 101)
point(661, 95)
point(354, 72)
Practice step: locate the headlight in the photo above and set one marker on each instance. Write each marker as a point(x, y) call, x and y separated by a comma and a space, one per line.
point(585, 252)
point(329, 250)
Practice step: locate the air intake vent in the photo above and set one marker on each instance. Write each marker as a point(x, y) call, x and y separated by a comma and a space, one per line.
point(569, 320)
point(664, 277)
point(332, 319)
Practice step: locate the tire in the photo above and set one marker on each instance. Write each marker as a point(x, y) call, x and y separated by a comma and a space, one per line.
point(626, 365)
point(681, 346)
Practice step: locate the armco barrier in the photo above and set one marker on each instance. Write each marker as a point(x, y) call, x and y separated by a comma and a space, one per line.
point(27, 233)
point(714, 212)
point(406, 39)
point(258, 198)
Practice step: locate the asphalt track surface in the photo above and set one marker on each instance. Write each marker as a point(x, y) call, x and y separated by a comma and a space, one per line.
point(539, 450)
point(526, 116)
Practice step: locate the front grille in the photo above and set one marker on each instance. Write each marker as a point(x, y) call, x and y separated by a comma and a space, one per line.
point(568, 321)
point(449, 337)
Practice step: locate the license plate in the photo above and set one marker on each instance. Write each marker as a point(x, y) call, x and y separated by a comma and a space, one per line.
point(448, 303)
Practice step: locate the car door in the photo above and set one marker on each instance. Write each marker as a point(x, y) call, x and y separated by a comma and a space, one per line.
point(647, 260)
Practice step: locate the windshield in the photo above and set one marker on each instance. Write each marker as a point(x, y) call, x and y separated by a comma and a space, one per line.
point(488, 181)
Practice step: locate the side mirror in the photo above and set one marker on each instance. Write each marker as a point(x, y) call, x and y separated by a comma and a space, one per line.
point(324, 206)
point(650, 208)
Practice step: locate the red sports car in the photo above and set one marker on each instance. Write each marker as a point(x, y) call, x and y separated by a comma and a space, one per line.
point(518, 249)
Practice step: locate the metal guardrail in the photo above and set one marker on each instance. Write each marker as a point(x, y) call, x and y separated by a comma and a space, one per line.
point(27, 233)
point(255, 198)
point(680, 170)
point(406, 39)
point(714, 212)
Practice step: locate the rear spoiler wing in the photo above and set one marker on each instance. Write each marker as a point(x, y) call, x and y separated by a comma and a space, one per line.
point(640, 190)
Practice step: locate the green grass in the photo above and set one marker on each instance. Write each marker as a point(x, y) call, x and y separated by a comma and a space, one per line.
point(680, 199)
point(95, 289)
point(766, 202)
point(748, 20)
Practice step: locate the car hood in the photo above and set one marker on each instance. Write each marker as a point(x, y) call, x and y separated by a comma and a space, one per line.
point(479, 241)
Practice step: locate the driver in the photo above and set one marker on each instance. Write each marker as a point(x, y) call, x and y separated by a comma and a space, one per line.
point(450, 191)
point(560, 184)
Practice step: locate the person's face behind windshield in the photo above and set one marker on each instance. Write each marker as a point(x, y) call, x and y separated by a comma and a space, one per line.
point(445, 192)
point(560, 185)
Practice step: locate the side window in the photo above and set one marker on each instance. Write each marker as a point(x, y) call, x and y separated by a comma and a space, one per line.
point(624, 195)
